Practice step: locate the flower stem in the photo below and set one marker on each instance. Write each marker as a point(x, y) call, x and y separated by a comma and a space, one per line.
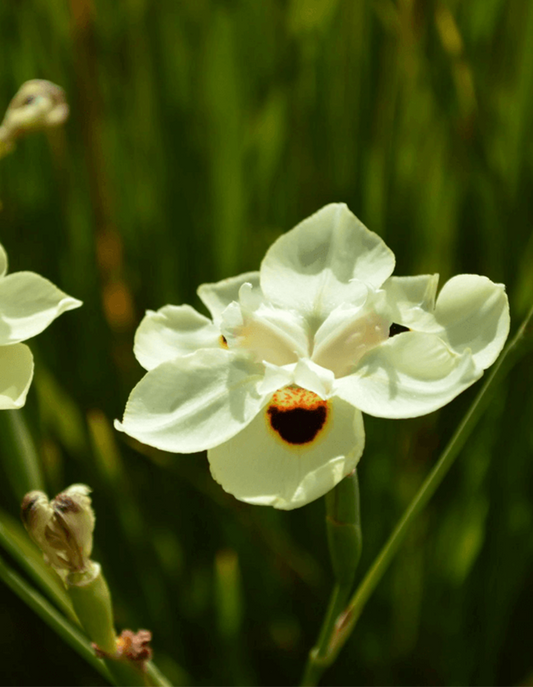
point(50, 615)
point(22, 463)
point(520, 344)
point(92, 602)
point(343, 523)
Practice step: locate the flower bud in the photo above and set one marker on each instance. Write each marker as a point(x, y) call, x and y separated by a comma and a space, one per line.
point(62, 528)
point(38, 104)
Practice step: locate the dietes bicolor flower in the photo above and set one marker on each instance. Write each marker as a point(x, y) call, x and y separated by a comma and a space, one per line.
point(274, 383)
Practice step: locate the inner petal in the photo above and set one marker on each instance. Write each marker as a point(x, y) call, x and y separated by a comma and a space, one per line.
point(268, 333)
point(297, 415)
point(346, 336)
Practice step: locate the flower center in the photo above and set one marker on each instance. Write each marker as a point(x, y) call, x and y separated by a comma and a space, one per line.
point(297, 415)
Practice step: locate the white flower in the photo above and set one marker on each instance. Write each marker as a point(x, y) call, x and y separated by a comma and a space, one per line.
point(62, 528)
point(28, 304)
point(274, 385)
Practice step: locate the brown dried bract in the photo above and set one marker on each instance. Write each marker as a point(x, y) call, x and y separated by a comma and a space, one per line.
point(131, 646)
point(135, 646)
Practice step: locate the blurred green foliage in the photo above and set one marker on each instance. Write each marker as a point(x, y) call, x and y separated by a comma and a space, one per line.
point(199, 131)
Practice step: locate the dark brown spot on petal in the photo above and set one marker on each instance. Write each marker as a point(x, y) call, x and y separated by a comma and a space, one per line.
point(297, 415)
point(397, 329)
point(298, 426)
point(223, 341)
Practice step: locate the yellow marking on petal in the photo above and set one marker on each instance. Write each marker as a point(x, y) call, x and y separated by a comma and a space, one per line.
point(297, 416)
point(223, 341)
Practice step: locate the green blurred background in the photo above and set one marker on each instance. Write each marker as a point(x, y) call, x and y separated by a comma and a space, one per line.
point(199, 131)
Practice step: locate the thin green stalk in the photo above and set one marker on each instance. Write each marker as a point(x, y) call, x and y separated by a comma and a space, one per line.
point(156, 677)
point(91, 599)
point(317, 660)
point(343, 522)
point(51, 617)
point(116, 672)
point(20, 458)
point(512, 353)
point(125, 674)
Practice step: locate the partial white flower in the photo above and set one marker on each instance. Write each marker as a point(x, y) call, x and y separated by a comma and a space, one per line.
point(62, 528)
point(274, 384)
point(28, 304)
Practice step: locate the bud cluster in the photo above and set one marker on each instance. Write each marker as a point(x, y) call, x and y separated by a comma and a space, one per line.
point(38, 104)
point(62, 528)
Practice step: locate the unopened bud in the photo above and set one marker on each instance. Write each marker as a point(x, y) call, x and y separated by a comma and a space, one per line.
point(38, 104)
point(62, 528)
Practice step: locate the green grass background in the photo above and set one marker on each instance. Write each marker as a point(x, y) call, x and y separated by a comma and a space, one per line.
point(200, 130)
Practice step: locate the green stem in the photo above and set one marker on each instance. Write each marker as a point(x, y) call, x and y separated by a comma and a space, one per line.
point(125, 674)
point(345, 543)
point(317, 659)
point(117, 672)
point(22, 463)
point(51, 617)
point(519, 345)
point(91, 600)
point(156, 677)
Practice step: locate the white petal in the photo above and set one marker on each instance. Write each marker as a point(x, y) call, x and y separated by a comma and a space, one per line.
point(193, 403)
point(471, 312)
point(216, 297)
point(305, 373)
point(409, 375)
point(3, 261)
point(474, 314)
point(173, 331)
point(275, 378)
point(317, 379)
point(258, 467)
point(410, 301)
point(28, 304)
point(320, 263)
point(16, 373)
